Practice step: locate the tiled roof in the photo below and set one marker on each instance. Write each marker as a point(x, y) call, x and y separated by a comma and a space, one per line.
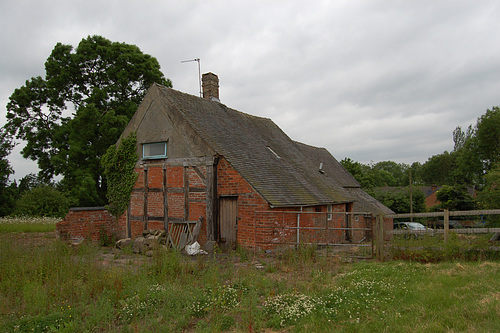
point(363, 202)
point(329, 164)
point(262, 153)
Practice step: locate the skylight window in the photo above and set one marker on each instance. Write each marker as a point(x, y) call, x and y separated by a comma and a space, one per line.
point(274, 153)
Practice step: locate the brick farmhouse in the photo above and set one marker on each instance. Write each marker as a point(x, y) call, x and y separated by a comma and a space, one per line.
point(240, 175)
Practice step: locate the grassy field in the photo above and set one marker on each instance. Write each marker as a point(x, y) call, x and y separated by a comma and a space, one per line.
point(28, 224)
point(48, 286)
point(465, 247)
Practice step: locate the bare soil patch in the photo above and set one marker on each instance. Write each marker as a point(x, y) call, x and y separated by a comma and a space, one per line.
point(106, 257)
point(31, 239)
point(110, 257)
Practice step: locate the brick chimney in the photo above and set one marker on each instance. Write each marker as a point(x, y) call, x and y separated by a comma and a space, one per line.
point(210, 84)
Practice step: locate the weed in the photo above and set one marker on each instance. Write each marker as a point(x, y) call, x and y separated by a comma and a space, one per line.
point(432, 249)
point(106, 239)
point(141, 304)
point(62, 288)
point(243, 253)
point(287, 309)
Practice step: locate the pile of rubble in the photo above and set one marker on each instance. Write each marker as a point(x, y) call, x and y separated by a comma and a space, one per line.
point(152, 240)
point(147, 243)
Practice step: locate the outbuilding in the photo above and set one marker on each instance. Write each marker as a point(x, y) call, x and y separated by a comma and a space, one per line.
point(239, 176)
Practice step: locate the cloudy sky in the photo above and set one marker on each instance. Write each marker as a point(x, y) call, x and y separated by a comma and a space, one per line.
point(370, 80)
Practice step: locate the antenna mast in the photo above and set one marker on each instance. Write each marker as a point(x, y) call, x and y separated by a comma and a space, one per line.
point(199, 71)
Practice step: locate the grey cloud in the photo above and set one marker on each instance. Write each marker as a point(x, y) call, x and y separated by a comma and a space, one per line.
point(370, 80)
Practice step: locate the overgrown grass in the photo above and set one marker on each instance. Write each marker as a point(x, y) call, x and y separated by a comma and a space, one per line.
point(67, 289)
point(28, 224)
point(433, 249)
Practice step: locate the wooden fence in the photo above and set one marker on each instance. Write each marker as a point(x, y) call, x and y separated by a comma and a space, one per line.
point(380, 243)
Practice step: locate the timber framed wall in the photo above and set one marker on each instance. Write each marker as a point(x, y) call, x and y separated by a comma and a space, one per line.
point(174, 191)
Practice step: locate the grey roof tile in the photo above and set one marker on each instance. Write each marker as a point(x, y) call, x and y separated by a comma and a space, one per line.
point(292, 179)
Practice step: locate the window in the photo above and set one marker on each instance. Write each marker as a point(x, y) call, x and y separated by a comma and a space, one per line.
point(154, 150)
point(274, 153)
point(329, 209)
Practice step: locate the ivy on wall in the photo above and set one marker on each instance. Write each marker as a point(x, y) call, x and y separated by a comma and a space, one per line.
point(119, 163)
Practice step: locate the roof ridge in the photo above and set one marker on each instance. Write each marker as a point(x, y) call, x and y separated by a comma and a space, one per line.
point(203, 100)
point(241, 138)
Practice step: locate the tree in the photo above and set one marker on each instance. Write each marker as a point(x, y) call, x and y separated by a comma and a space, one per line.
point(30, 181)
point(478, 149)
point(489, 197)
point(398, 199)
point(385, 173)
point(416, 173)
point(359, 171)
point(438, 169)
point(460, 137)
point(69, 118)
point(488, 137)
point(398, 173)
point(43, 200)
point(6, 190)
point(454, 198)
point(6, 146)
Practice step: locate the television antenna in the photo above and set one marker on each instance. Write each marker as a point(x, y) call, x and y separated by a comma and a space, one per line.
point(199, 71)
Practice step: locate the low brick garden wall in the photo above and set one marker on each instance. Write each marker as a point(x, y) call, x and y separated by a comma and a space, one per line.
point(91, 223)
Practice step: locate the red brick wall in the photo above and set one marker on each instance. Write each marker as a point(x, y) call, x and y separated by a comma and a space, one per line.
point(175, 197)
point(263, 227)
point(231, 183)
point(95, 224)
point(278, 226)
point(255, 229)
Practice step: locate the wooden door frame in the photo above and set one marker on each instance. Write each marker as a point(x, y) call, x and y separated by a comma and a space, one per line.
point(219, 200)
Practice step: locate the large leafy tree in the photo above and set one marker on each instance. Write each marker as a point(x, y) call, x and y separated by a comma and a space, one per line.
point(475, 151)
point(489, 197)
point(438, 169)
point(6, 189)
point(385, 173)
point(454, 198)
point(398, 199)
point(478, 150)
point(359, 171)
point(398, 172)
point(69, 118)
point(487, 134)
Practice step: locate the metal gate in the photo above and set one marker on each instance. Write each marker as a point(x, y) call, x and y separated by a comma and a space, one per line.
point(334, 233)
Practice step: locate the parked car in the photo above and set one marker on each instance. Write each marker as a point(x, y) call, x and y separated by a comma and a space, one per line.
point(414, 229)
point(440, 224)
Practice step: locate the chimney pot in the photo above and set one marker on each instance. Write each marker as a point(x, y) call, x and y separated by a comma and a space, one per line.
point(210, 85)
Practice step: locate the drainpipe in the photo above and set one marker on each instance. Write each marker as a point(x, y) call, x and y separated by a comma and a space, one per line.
point(298, 225)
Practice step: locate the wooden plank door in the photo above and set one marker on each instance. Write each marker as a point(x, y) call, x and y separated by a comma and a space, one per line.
point(228, 222)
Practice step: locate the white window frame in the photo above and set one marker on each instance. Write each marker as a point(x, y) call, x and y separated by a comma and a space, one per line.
point(149, 157)
point(329, 210)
